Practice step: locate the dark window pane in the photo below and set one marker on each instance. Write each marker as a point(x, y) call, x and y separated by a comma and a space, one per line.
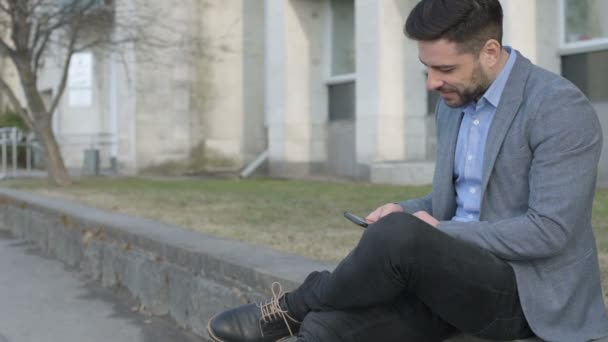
point(342, 101)
point(432, 98)
point(585, 20)
point(343, 37)
point(589, 72)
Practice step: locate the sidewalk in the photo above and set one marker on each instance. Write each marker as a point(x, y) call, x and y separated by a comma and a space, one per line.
point(44, 301)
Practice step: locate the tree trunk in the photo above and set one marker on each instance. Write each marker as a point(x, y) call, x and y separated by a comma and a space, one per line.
point(56, 171)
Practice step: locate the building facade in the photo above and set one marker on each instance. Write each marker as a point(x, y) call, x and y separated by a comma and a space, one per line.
point(184, 96)
point(317, 87)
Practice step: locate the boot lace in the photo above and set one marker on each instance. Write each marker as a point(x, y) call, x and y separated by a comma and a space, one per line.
point(272, 311)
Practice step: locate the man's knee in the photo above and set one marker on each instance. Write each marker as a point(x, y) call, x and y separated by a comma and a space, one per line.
point(396, 229)
point(317, 328)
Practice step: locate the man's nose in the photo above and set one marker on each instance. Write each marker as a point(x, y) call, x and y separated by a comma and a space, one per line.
point(433, 82)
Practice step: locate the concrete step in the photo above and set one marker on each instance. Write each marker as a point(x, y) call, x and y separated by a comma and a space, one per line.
point(404, 173)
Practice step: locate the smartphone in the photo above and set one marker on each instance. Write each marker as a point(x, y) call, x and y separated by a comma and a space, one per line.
point(355, 219)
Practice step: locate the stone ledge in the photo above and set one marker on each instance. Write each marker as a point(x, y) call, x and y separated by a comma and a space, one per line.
point(404, 173)
point(172, 271)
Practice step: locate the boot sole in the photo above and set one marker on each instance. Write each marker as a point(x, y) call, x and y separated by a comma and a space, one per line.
point(217, 339)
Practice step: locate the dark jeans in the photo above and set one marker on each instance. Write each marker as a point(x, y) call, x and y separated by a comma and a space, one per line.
point(407, 281)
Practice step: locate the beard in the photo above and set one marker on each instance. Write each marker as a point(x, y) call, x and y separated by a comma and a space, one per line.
point(480, 82)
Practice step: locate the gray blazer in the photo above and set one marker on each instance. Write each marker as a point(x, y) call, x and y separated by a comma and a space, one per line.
point(539, 175)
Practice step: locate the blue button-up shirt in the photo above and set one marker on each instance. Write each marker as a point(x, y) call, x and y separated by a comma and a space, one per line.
point(470, 147)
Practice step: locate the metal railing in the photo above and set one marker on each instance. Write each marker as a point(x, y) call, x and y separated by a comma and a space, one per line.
point(13, 137)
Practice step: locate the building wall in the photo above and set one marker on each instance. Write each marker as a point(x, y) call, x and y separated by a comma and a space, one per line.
point(339, 60)
point(253, 30)
point(163, 85)
point(229, 86)
point(9, 74)
point(532, 27)
point(78, 121)
point(200, 104)
point(107, 122)
point(186, 98)
point(392, 123)
point(296, 104)
point(391, 117)
point(254, 76)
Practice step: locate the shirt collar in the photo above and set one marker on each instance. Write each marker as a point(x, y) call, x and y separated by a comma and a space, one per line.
point(494, 92)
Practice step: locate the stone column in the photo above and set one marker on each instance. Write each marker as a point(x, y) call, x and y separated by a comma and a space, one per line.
point(532, 27)
point(602, 10)
point(295, 96)
point(220, 84)
point(391, 99)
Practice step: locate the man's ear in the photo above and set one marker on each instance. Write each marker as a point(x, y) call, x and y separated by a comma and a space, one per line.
point(491, 52)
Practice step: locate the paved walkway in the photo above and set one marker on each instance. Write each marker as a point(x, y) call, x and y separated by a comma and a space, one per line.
point(42, 301)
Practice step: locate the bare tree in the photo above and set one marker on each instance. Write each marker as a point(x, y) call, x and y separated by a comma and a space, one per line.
point(33, 30)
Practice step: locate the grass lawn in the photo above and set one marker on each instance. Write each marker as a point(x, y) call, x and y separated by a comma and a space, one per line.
point(301, 217)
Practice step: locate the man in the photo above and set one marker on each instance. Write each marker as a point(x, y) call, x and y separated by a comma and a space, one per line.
point(503, 247)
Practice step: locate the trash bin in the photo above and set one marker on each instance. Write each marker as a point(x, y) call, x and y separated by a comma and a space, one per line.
point(90, 165)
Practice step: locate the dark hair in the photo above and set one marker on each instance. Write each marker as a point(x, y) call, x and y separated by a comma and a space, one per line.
point(469, 23)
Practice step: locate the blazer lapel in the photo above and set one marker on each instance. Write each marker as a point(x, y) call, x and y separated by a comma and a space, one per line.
point(444, 202)
point(510, 101)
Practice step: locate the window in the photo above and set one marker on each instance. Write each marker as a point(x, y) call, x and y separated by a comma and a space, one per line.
point(432, 99)
point(584, 52)
point(585, 20)
point(342, 66)
point(342, 101)
point(343, 37)
point(585, 46)
point(589, 72)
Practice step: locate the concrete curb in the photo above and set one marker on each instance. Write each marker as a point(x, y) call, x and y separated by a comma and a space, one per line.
point(172, 271)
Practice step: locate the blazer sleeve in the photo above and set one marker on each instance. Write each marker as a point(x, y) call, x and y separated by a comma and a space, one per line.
point(413, 205)
point(566, 139)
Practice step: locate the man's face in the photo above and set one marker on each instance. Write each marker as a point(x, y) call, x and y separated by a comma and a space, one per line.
point(458, 77)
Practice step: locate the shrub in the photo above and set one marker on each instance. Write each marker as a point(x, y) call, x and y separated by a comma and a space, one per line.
point(10, 118)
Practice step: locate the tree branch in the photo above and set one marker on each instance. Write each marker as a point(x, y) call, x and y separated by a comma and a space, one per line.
point(16, 104)
point(5, 49)
point(65, 71)
point(4, 8)
point(36, 35)
point(21, 25)
point(36, 4)
point(39, 51)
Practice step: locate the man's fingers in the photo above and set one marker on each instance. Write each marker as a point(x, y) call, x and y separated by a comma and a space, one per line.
point(426, 217)
point(383, 211)
point(373, 216)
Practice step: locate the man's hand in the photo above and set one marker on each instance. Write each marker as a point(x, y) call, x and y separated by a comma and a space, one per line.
point(383, 211)
point(426, 217)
